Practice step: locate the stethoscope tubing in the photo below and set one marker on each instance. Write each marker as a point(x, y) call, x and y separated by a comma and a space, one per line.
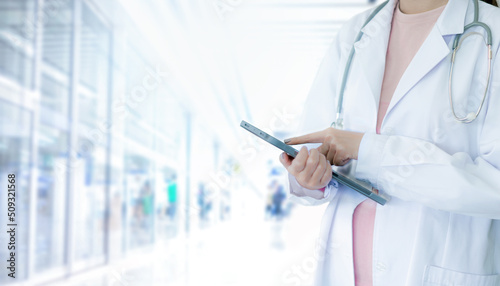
point(338, 123)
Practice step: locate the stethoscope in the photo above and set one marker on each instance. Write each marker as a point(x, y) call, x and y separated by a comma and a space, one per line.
point(471, 116)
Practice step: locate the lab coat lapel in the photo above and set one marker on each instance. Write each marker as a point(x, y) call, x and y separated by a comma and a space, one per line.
point(433, 50)
point(371, 50)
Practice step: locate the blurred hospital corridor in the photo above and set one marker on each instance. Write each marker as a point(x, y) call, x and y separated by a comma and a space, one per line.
point(119, 130)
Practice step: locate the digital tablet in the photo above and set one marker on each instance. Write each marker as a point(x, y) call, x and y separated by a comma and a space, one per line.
point(342, 174)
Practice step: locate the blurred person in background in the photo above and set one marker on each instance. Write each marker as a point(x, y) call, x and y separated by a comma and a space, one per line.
point(225, 205)
point(269, 201)
point(204, 202)
point(147, 201)
point(172, 196)
point(278, 198)
point(418, 130)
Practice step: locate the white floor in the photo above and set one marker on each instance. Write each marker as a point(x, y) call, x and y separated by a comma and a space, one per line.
point(244, 252)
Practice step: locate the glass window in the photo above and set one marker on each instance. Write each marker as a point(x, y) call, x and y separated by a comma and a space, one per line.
point(137, 130)
point(139, 188)
point(54, 97)
point(56, 50)
point(16, 40)
point(90, 177)
point(53, 137)
point(94, 51)
point(57, 31)
point(170, 122)
point(90, 204)
point(51, 195)
point(93, 68)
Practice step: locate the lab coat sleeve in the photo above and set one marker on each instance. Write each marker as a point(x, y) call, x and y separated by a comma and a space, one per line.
point(318, 113)
point(419, 171)
point(308, 197)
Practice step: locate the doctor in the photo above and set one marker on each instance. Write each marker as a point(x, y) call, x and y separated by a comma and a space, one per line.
point(414, 135)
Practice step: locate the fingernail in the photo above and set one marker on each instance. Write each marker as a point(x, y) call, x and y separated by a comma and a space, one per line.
point(287, 141)
point(282, 156)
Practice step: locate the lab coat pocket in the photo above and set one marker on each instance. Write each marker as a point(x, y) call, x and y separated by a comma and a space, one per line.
point(437, 276)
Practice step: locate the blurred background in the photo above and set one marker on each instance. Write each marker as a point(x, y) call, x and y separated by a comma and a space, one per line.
point(120, 120)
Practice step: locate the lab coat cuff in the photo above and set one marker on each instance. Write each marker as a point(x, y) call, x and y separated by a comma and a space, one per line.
point(370, 157)
point(309, 197)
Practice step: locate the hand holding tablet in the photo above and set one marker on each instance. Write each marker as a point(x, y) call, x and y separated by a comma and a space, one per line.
point(343, 178)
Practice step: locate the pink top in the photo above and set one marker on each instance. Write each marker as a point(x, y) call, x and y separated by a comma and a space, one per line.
point(408, 32)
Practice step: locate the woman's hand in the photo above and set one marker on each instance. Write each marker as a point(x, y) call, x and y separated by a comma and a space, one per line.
point(310, 168)
point(338, 146)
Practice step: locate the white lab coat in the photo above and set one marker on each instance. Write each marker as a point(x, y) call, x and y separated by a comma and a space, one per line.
point(441, 226)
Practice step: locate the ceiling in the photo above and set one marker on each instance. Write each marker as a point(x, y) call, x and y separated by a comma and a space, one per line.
point(229, 59)
point(244, 59)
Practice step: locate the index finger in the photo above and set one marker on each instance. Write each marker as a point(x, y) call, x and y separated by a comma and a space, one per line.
point(315, 137)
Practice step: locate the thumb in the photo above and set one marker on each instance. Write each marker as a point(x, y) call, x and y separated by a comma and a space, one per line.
point(285, 160)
